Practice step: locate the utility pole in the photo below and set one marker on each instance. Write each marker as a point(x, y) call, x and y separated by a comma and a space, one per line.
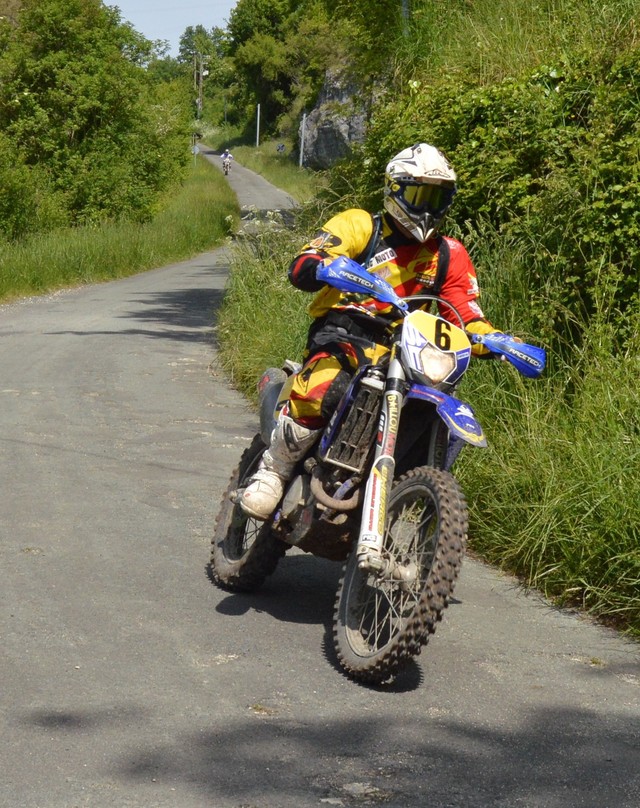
point(200, 88)
point(405, 17)
point(199, 72)
point(258, 127)
point(304, 121)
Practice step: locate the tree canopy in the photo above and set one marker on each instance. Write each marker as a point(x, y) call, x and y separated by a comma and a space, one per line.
point(98, 138)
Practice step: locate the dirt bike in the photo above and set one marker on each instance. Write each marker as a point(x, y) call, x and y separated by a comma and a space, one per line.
point(377, 492)
point(226, 165)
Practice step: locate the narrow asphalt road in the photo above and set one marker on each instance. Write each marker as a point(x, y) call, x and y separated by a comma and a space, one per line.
point(128, 679)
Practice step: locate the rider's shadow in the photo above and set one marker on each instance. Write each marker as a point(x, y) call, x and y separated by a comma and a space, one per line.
point(302, 590)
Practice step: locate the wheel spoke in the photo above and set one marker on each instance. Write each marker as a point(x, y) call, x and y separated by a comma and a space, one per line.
point(383, 611)
point(386, 604)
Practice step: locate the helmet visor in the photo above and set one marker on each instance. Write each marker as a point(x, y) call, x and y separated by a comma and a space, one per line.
point(421, 198)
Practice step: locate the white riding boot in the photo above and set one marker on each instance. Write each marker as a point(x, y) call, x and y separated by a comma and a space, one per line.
point(289, 443)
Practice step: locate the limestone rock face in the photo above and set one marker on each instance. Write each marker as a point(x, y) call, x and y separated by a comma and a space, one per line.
point(336, 122)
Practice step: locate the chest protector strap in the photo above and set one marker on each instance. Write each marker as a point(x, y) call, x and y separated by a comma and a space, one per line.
point(444, 254)
point(372, 245)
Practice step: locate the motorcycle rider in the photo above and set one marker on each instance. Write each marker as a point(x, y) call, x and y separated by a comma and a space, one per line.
point(226, 155)
point(401, 245)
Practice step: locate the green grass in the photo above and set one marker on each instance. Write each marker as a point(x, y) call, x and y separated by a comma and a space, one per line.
point(194, 218)
point(554, 497)
point(491, 40)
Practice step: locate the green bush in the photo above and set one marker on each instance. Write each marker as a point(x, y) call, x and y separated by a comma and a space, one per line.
point(87, 119)
point(551, 160)
point(17, 192)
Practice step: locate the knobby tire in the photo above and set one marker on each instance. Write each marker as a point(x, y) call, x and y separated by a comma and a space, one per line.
point(244, 551)
point(380, 623)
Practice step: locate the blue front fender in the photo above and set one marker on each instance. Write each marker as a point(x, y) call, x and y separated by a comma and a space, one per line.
point(457, 415)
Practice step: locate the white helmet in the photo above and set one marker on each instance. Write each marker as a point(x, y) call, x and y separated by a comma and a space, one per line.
point(419, 186)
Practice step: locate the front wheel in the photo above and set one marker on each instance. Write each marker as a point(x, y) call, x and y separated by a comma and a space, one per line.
point(383, 619)
point(244, 550)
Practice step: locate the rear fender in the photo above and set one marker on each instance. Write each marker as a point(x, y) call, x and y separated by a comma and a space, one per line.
point(273, 389)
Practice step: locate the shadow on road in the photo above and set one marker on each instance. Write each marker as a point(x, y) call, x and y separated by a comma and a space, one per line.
point(83, 720)
point(181, 308)
point(303, 590)
point(179, 315)
point(275, 756)
point(554, 759)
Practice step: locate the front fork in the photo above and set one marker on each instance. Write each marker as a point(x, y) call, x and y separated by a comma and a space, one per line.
point(374, 509)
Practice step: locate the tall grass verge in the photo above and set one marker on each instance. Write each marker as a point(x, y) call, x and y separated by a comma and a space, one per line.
point(554, 497)
point(493, 40)
point(194, 218)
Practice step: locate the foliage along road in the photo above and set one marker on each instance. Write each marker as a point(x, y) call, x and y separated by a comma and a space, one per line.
point(129, 679)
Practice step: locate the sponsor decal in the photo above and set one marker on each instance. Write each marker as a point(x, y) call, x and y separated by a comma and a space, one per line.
point(371, 518)
point(357, 279)
point(305, 375)
point(390, 445)
point(435, 172)
point(465, 410)
point(394, 410)
point(380, 434)
point(325, 239)
point(369, 538)
point(475, 308)
point(473, 286)
point(525, 357)
point(382, 258)
point(394, 420)
point(425, 267)
point(382, 498)
point(426, 278)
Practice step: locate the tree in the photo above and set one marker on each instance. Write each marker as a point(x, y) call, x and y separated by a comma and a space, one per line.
point(251, 17)
point(79, 107)
point(197, 40)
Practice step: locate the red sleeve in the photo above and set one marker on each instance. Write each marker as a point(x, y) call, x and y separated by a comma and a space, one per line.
point(460, 285)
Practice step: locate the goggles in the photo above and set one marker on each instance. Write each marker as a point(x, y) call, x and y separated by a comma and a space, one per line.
point(421, 198)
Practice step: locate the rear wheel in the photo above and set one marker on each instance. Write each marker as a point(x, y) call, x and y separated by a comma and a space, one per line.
point(244, 550)
point(383, 619)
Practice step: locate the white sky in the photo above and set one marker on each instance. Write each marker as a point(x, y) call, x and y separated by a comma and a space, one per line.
point(163, 19)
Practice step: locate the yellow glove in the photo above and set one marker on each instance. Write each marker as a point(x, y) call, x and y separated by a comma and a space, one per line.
point(480, 327)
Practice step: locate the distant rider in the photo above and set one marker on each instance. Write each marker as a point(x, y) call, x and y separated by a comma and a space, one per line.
point(401, 245)
point(226, 155)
